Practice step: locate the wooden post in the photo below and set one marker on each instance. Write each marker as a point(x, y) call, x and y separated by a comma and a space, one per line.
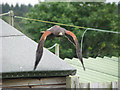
point(11, 18)
point(57, 50)
point(72, 82)
point(115, 85)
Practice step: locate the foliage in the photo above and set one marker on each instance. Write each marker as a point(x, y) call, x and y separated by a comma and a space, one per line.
point(20, 10)
point(93, 15)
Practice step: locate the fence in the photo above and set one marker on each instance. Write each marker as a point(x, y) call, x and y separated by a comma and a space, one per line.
point(74, 82)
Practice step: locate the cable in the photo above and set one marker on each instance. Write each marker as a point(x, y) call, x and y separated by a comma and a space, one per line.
point(61, 24)
point(103, 30)
point(49, 22)
point(95, 30)
point(4, 14)
point(68, 25)
point(82, 38)
point(52, 46)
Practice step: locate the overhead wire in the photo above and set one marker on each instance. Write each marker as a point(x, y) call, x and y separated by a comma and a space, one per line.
point(82, 38)
point(52, 46)
point(86, 28)
point(49, 22)
point(61, 24)
point(95, 30)
point(67, 25)
point(4, 14)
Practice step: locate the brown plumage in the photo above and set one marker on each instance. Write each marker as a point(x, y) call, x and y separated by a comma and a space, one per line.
point(58, 32)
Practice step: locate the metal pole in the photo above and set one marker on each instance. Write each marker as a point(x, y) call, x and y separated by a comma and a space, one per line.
point(57, 50)
point(11, 18)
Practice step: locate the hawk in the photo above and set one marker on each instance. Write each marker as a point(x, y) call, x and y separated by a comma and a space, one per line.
point(57, 31)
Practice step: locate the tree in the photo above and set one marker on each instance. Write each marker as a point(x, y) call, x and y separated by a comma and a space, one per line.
point(5, 8)
point(18, 10)
point(94, 15)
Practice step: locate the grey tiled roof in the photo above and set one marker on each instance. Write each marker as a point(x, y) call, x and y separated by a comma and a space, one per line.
point(18, 56)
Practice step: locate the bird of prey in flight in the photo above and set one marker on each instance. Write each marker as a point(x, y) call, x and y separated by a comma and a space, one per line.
point(57, 31)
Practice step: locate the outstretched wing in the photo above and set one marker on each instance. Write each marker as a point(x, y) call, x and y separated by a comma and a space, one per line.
point(39, 50)
point(74, 40)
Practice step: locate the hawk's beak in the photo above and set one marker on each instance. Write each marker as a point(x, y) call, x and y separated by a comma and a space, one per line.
point(60, 33)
